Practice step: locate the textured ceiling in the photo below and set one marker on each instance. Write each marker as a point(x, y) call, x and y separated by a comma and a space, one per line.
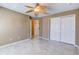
point(51, 7)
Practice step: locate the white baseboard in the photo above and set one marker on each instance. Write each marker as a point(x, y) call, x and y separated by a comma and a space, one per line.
point(13, 43)
point(43, 38)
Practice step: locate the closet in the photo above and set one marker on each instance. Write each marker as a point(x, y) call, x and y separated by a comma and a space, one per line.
point(63, 29)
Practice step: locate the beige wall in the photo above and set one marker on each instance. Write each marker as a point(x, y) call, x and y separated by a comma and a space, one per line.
point(13, 26)
point(44, 27)
point(40, 27)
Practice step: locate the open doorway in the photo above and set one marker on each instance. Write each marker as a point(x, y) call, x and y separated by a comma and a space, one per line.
point(34, 28)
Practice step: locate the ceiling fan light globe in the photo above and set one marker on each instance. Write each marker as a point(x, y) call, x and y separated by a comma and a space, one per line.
point(36, 10)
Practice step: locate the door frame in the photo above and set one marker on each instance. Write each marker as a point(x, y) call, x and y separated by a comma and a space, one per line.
point(31, 28)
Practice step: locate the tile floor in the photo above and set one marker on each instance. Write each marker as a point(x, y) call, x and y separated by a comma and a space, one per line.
point(39, 47)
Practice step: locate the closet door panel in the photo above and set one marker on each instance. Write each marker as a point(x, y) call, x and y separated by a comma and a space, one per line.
point(55, 29)
point(68, 29)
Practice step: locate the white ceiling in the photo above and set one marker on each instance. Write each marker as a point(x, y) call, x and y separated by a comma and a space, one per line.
point(52, 7)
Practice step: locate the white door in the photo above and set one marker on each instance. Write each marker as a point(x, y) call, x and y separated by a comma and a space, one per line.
point(55, 29)
point(68, 29)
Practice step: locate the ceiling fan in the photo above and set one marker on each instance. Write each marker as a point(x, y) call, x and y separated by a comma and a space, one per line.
point(38, 9)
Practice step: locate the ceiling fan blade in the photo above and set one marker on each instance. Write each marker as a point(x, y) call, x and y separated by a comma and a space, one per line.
point(29, 11)
point(37, 4)
point(29, 6)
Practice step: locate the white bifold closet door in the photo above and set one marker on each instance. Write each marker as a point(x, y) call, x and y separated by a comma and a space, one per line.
point(68, 29)
point(55, 29)
point(63, 29)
